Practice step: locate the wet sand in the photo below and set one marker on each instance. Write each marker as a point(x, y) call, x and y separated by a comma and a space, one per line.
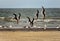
point(29, 29)
point(29, 35)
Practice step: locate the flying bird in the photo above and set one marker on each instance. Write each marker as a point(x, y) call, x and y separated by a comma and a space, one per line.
point(31, 22)
point(17, 17)
point(37, 14)
point(43, 12)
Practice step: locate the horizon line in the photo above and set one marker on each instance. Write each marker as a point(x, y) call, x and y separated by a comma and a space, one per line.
point(40, 7)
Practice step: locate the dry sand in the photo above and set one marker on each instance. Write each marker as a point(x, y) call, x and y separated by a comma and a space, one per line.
point(30, 36)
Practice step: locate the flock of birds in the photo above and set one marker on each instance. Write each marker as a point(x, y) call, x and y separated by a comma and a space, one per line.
point(17, 18)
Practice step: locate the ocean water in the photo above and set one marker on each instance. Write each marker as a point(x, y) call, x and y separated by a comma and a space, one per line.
point(51, 14)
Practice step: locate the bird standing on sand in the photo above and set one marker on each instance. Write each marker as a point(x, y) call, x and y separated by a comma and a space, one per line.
point(43, 12)
point(37, 14)
point(31, 22)
point(17, 17)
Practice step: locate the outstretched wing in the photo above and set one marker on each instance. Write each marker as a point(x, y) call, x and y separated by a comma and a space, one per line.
point(33, 20)
point(37, 14)
point(29, 19)
point(43, 9)
point(15, 16)
point(19, 15)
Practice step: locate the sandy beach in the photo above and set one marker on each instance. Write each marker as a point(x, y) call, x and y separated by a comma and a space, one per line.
point(30, 36)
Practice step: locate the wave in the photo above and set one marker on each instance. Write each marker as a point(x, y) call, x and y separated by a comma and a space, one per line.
point(23, 19)
point(11, 19)
point(47, 20)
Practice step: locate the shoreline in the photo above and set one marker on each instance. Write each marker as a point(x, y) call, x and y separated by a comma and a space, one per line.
point(30, 29)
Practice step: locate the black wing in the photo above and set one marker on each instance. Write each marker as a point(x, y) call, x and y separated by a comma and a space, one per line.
point(19, 15)
point(33, 20)
point(43, 11)
point(29, 19)
point(15, 16)
point(37, 14)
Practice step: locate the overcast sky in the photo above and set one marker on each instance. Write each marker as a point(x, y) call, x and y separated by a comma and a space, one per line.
point(29, 3)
